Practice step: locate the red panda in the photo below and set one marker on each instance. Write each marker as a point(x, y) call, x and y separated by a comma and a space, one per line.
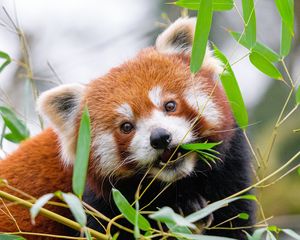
point(140, 112)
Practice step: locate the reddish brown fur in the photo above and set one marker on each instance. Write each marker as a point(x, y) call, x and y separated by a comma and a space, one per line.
point(131, 82)
point(36, 169)
point(36, 166)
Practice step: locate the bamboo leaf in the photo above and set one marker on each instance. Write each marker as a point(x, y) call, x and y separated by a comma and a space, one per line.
point(7, 60)
point(267, 52)
point(250, 21)
point(286, 40)
point(244, 216)
point(217, 5)
point(87, 234)
point(232, 91)
point(115, 236)
point(75, 207)
point(128, 211)
point(201, 237)
point(291, 233)
point(136, 233)
point(286, 11)
point(274, 228)
point(10, 237)
point(199, 146)
point(298, 95)
point(264, 65)
point(196, 216)
point(270, 236)
point(203, 24)
point(178, 229)
point(82, 154)
point(168, 216)
point(35, 209)
point(18, 130)
point(257, 235)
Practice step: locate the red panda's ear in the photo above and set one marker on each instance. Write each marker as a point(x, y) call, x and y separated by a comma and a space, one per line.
point(178, 37)
point(61, 106)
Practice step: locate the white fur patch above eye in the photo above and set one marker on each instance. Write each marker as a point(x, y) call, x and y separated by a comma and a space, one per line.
point(125, 110)
point(155, 95)
point(204, 104)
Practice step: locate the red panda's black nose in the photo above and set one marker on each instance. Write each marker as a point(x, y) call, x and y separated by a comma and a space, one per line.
point(160, 138)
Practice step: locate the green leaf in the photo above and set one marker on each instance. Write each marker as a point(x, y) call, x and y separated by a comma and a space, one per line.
point(128, 211)
point(249, 197)
point(82, 154)
point(217, 5)
point(7, 59)
point(10, 237)
point(18, 130)
point(232, 91)
point(267, 52)
point(167, 215)
point(250, 21)
point(199, 146)
point(298, 95)
point(244, 216)
point(264, 65)
point(274, 228)
point(115, 236)
point(291, 233)
point(173, 227)
point(196, 216)
point(286, 40)
point(35, 209)
point(298, 170)
point(286, 11)
point(76, 208)
point(136, 233)
point(270, 236)
point(87, 234)
point(201, 237)
point(203, 24)
point(257, 235)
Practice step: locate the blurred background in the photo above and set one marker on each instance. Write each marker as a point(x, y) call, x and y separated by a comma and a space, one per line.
point(77, 41)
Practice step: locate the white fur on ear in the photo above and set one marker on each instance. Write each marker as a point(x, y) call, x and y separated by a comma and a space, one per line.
point(61, 105)
point(178, 38)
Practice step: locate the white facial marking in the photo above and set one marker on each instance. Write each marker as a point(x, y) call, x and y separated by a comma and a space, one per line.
point(140, 146)
point(106, 151)
point(184, 170)
point(155, 95)
point(125, 110)
point(203, 104)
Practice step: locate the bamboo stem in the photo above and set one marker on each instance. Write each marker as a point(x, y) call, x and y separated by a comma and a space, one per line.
point(51, 215)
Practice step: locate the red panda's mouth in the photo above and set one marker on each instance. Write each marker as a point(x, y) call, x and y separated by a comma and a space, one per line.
point(171, 156)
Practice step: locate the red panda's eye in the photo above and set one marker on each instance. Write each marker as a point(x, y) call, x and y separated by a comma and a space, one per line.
point(127, 127)
point(170, 106)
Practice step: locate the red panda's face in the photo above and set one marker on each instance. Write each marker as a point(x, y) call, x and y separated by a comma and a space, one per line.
point(143, 110)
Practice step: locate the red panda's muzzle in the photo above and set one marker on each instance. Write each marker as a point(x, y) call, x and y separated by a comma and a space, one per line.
point(171, 156)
